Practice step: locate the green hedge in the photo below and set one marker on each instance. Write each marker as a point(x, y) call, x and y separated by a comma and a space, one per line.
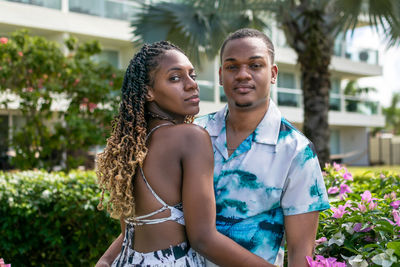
point(50, 219)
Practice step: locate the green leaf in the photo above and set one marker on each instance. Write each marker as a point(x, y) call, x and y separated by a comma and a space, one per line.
point(395, 246)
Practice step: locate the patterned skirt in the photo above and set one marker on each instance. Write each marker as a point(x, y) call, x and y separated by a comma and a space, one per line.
point(181, 255)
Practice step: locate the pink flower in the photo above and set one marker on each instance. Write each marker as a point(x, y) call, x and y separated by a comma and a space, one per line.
point(111, 83)
point(348, 176)
point(321, 240)
point(333, 190)
point(324, 173)
point(92, 106)
point(344, 188)
point(20, 53)
point(340, 211)
point(372, 205)
point(2, 264)
point(336, 166)
point(393, 195)
point(362, 207)
point(324, 262)
point(3, 40)
point(367, 197)
point(382, 176)
point(395, 204)
point(77, 80)
point(396, 217)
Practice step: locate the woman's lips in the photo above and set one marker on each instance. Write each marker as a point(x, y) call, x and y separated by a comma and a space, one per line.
point(193, 99)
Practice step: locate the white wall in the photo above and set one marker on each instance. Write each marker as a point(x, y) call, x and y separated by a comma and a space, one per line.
point(354, 142)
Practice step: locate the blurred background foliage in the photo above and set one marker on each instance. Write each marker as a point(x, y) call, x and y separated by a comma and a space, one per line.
point(67, 99)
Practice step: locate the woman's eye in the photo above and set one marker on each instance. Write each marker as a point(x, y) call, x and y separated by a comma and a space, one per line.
point(174, 78)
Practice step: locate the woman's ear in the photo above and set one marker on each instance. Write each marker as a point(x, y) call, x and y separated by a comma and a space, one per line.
point(149, 94)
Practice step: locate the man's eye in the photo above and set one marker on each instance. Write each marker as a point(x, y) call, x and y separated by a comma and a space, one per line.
point(193, 76)
point(255, 66)
point(231, 67)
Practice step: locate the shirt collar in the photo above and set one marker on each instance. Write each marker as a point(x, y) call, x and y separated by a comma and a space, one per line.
point(267, 131)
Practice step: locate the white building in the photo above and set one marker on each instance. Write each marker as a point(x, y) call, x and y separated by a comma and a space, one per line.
point(108, 21)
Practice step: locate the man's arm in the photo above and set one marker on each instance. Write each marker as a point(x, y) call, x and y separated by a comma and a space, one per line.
point(300, 232)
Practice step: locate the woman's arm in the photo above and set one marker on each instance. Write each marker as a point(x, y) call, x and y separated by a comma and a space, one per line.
point(199, 204)
point(115, 248)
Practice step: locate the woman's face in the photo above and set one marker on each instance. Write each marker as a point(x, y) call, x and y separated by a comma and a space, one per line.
point(174, 88)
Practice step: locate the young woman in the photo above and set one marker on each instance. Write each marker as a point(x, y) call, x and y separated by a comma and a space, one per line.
point(159, 170)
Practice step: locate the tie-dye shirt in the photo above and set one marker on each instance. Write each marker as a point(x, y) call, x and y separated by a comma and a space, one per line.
point(274, 172)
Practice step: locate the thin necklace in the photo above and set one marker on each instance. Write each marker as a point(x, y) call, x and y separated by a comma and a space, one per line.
point(160, 117)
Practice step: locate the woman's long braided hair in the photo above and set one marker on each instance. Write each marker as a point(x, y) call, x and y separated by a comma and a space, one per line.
point(126, 147)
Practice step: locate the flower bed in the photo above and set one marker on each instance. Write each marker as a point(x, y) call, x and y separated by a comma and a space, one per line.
point(362, 228)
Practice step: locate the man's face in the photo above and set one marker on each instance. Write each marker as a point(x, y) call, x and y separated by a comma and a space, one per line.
point(247, 73)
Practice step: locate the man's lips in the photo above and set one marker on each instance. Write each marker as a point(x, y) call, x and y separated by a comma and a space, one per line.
point(243, 88)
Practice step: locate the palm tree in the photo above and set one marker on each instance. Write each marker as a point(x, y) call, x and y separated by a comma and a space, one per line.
point(310, 27)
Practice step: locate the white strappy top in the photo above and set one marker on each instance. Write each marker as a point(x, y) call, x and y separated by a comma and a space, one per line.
point(176, 211)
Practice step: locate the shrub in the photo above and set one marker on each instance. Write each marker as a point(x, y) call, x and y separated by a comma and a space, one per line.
point(362, 228)
point(50, 219)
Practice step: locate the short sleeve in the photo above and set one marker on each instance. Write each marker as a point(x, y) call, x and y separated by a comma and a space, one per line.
point(304, 190)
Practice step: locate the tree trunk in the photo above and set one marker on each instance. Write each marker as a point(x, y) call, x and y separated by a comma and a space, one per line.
point(308, 34)
point(315, 85)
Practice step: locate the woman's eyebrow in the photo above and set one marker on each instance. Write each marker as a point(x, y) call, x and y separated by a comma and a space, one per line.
point(179, 69)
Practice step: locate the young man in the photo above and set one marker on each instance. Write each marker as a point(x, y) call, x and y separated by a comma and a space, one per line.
point(267, 179)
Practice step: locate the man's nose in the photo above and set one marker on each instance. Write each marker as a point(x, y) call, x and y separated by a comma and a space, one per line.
point(243, 73)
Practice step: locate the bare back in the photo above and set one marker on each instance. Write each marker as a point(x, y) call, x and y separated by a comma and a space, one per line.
point(163, 171)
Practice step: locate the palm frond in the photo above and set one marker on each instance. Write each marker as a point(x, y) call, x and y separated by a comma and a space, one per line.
point(383, 14)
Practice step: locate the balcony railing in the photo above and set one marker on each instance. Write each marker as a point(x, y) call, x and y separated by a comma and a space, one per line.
point(365, 55)
point(114, 9)
point(287, 97)
point(54, 4)
point(342, 103)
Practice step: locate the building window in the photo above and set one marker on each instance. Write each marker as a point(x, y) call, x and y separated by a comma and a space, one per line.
point(289, 99)
point(334, 95)
point(334, 142)
point(286, 80)
point(114, 9)
point(206, 90)
point(335, 86)
point(222, 96)
point(54, 4)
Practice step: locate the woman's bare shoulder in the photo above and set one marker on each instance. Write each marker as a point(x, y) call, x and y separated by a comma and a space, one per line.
point(188, 136)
